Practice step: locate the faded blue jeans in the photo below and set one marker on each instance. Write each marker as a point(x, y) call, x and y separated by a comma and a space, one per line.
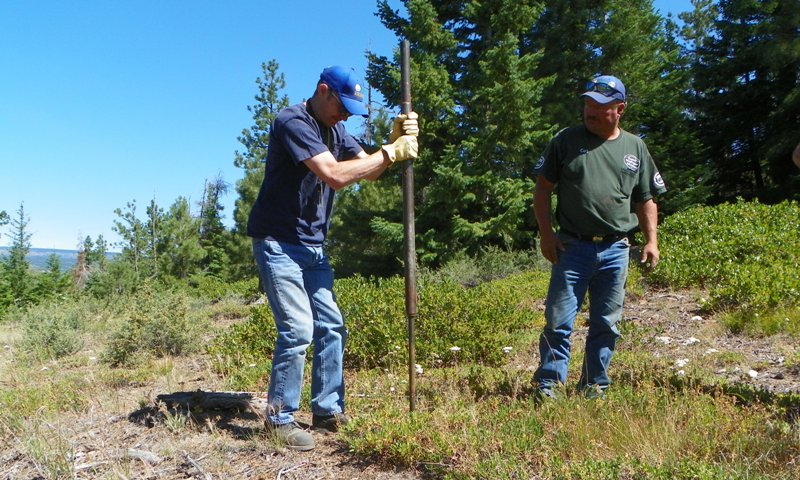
point(298, 281)
point(600, 268)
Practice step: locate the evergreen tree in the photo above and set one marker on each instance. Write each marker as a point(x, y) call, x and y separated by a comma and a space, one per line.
point(179, 245)
point(475, 92)
point(16, 269)
point(134, 239)
point(255, 139)
point(153, 237)
point(96, 252)
point(52, 281)
point(746, 76)
point(213, 236)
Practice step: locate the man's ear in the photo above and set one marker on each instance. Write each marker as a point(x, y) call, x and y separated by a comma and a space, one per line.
point(621, 108)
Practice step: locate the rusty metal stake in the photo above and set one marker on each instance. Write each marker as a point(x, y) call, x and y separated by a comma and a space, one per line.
point(408, 229)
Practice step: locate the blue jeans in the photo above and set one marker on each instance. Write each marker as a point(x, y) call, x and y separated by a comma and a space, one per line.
point(298, 281)
point(600, 268)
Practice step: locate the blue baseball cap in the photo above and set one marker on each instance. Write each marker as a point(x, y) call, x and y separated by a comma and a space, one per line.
point(348, 86)
point(605, 89)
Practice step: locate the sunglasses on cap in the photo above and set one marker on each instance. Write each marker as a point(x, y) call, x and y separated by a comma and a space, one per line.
point(602, 88)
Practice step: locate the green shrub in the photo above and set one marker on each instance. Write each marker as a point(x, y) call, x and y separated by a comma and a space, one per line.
point(155, 323)
point(213, 288)
point(243, 353)
point(454, 324)
point(491, 264)
point(747, 254)
point(53, 330)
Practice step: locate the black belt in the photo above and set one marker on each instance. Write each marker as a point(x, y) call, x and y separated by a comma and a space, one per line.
point(610, 237)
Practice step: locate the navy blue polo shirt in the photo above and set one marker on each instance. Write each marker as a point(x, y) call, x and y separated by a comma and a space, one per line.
point(294, 205)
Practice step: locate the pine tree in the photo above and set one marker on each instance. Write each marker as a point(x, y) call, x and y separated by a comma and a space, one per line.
point(213, 236)
point(16, 268)
point(747, 81)
point(134, 239)
point(255, 139)
point(180, 251)
point(52, 281)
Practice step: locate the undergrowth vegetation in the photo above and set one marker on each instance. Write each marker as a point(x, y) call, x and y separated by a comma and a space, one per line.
point(746, 254)
point(476, 348)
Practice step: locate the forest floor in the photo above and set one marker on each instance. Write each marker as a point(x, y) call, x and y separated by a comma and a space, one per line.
point(124, 434)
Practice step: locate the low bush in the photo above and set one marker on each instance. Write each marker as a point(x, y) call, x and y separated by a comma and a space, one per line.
point(492, 263)
point(747, 254)
point(53, 329)
point(454, 324)
point(243, 353)
point(214, 289)
point(156, 323)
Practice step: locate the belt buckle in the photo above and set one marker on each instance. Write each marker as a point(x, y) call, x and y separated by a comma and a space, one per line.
point(598, 238)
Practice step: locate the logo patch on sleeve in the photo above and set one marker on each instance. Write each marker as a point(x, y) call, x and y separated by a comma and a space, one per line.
point(631, 163)
point(540, 163)
point(658, 181)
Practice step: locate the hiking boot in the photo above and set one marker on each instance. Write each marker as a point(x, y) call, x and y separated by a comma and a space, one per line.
point(544, 394)
point(594, 392)
point(329, 423)
point(292, 435)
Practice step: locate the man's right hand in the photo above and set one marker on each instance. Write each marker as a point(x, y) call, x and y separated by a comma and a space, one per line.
point(404, 148)
point(550, 245)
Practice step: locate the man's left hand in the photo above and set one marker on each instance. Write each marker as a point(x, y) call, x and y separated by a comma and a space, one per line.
point(404, 124)
point(650, 255)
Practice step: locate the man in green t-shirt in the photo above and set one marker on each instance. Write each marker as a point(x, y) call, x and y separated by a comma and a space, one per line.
point(604, 179)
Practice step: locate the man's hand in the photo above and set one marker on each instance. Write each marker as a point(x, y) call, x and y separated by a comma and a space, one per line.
point(650, 255)
point(404, 125)
point(404, 148)
point(550, 245)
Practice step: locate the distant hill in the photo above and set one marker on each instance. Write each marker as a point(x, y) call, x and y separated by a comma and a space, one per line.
point(37, 257)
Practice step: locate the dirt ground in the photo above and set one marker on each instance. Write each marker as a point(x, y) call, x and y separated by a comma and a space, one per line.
point(124, 435)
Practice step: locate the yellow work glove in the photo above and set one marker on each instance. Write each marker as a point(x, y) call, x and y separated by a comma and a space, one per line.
point(404, 148)
point(404, 125)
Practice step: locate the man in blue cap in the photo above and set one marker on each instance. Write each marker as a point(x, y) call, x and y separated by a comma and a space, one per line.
point(605, 181)
point(310, 156)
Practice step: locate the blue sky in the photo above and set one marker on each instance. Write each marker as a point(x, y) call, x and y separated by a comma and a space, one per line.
point(106, 102)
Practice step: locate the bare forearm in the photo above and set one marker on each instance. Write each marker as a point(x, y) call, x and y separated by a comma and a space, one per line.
point(341, 174)
point(541, 209)
point(647, 213)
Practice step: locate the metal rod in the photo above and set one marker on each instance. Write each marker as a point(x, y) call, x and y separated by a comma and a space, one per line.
point(408, 229)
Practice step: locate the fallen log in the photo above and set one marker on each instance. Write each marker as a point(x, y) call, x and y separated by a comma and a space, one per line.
point(203, 400)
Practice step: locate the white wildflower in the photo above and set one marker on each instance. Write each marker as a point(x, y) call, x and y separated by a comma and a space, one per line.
point(507, 350)
point(680, 363)
point(681, 372)
point(697, 318)
point(711, 350)
point(455, 349)
point(418, 368)
point(752, 373)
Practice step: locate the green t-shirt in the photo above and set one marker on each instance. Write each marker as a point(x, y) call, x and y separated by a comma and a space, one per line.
point(596, 180)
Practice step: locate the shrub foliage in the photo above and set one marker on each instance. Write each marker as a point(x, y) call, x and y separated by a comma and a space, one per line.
point(747, 254)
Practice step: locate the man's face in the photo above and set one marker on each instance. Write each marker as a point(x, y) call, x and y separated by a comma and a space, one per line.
point(334, 110)
point(602, 119)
